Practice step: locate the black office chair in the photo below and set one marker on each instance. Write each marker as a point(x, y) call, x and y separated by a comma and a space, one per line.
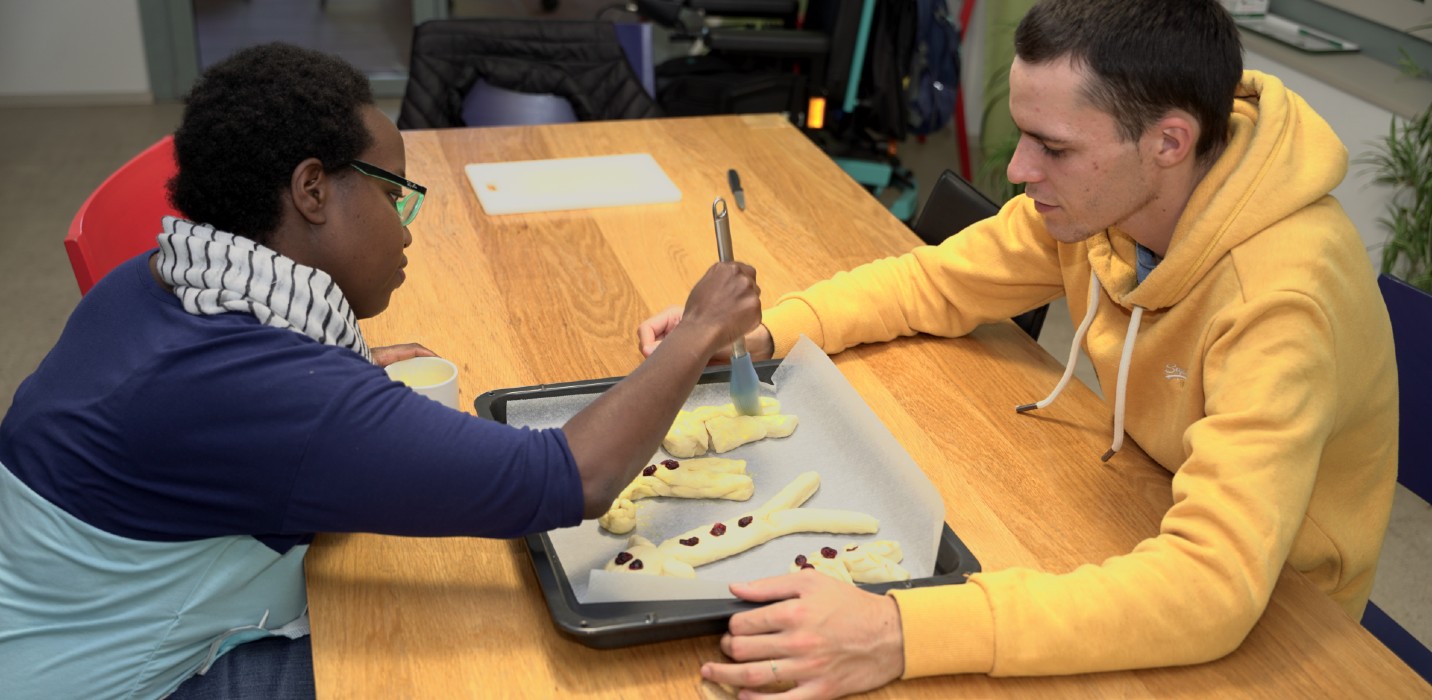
point(582, 62)
point(839, 72)
point(1411, 336)
point(953, 205)
point(767, 69)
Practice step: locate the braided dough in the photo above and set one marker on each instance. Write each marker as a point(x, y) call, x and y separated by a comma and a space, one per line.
point(722, 428)
point(710, 477)
point(782, 515)
point(871, 562)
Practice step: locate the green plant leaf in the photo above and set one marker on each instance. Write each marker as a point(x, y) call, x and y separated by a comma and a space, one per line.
point(1403, 160)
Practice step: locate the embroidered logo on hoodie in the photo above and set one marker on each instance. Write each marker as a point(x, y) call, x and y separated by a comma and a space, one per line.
point(1174, 372)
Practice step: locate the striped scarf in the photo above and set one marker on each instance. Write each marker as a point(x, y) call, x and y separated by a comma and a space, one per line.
point(214, 272)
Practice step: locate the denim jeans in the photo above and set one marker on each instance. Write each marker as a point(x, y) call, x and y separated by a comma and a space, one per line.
point(272, 669)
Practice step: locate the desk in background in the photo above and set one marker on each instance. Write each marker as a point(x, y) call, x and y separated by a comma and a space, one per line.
point(541, 298)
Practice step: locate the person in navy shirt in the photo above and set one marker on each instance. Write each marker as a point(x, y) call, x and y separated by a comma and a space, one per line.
point(211, 405)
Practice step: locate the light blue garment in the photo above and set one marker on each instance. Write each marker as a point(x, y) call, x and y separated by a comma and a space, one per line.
point(88, 614)
point(1145, 263)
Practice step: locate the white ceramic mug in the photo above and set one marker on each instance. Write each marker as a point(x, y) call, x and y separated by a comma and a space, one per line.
point(432, 377)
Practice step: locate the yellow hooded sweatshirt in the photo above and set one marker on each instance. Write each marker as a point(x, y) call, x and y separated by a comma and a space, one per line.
point(1261, 374)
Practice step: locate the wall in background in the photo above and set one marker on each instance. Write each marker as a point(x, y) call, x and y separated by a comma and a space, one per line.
point(76, 51)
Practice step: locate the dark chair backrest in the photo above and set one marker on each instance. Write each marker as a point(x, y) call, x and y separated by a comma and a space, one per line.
point(582, 62)
point(1411, 312)
point(953, 205)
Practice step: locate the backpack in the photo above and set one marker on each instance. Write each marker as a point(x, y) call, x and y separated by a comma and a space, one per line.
point(935, 74)
point(885, 105)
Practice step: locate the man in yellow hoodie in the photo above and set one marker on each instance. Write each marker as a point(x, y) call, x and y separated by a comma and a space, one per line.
point(1226, 298)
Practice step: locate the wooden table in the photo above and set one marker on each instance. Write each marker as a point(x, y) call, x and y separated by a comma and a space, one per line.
point(539, 298)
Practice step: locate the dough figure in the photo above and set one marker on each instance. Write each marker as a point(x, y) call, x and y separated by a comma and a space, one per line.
point(782, 515)
point(687, 436)
point(710, 477)
point(729, 432)
point(869, 562)
point(722, 428)
point(620, 518)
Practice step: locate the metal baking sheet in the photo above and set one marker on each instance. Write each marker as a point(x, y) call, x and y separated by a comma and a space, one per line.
point(620, 624)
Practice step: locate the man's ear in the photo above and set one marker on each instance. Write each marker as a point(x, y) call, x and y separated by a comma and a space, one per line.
point(310, 189)
point(1177, 134)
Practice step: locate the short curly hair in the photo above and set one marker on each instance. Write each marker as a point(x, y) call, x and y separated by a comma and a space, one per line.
point(250, 120)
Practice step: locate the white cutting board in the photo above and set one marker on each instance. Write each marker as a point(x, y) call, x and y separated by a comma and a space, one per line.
point(556, 184)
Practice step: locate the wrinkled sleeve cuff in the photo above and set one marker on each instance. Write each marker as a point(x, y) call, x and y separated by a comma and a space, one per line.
point(788, 320)
point(947, 630)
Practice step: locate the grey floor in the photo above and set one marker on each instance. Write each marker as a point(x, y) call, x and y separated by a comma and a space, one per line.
point(55, 156)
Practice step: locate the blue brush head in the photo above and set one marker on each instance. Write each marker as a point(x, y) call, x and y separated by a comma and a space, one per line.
point(745, 386)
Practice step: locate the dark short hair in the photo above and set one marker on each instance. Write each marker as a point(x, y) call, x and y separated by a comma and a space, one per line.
point(1145, 57)
point(250, 120)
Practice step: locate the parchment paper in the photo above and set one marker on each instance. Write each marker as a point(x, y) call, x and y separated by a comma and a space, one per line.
point(861, 465)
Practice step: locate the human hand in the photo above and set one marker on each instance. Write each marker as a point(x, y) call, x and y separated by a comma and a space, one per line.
point(655, 329)
point(652, 331)
point(724, 305)
point(389, 354)
point(828, 637)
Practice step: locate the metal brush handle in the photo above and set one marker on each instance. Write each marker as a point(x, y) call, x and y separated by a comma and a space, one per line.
point(723, 250)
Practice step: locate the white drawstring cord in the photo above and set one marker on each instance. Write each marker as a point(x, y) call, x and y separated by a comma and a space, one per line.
point(1124, 359)
point(1123, 383)
point(1073, 348)
point(219, 642)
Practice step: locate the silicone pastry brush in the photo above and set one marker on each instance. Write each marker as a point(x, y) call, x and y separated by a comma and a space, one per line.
point(745, 386)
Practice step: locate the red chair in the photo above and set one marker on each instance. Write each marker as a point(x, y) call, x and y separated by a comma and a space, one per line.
point(121, 217)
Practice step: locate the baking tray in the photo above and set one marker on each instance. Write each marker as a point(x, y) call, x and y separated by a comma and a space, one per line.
point(613, 625)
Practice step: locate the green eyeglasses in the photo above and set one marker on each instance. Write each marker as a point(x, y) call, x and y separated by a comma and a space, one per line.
point(408, 204)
